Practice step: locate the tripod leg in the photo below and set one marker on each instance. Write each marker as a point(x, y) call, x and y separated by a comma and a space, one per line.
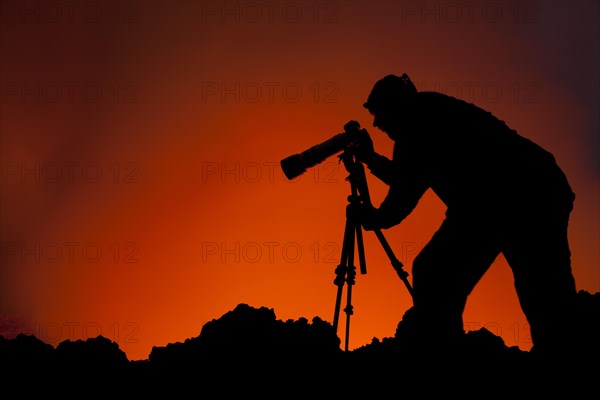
point(342, 269)
point(350, 280)
point(361, 250)
point(397, 264)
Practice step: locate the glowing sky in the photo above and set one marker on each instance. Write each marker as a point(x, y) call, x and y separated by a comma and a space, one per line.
point(140, 144)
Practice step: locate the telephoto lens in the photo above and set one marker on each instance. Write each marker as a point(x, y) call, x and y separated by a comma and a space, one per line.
point(297, 164)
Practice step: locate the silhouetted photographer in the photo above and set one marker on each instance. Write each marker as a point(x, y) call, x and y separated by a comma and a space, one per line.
point(504, 195)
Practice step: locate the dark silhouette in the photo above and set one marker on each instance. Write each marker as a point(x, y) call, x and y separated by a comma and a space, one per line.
point(248, 351)
point(504, 195)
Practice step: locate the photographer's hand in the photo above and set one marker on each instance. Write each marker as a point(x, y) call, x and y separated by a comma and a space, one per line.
point(362, 143)
point(365, 149)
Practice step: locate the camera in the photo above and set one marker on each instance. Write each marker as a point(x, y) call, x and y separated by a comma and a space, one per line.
point(297, 164)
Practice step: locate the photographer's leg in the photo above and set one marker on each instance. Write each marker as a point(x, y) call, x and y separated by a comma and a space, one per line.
point(444, 274)
point(539, 256)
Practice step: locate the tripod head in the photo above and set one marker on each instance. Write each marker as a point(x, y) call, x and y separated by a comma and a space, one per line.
point(356, 176)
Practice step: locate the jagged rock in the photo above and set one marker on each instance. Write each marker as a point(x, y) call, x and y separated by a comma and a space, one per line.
point(97, 353)
point(249, 351)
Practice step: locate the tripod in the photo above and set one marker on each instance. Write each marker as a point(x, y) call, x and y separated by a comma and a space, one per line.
point(346, 270)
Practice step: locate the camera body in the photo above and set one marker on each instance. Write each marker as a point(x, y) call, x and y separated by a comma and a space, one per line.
point(297, 164)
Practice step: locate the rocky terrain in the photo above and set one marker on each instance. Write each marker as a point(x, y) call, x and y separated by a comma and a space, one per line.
point(248, 351)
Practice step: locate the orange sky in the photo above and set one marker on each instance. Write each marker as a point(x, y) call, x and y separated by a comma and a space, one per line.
point(140, 141)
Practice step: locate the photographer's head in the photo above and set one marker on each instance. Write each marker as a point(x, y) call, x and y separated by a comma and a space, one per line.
point(387, 98)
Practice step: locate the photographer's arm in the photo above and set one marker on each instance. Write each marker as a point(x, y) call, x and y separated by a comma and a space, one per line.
point(398, 204)
point(407, 187)
point(381, 167)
